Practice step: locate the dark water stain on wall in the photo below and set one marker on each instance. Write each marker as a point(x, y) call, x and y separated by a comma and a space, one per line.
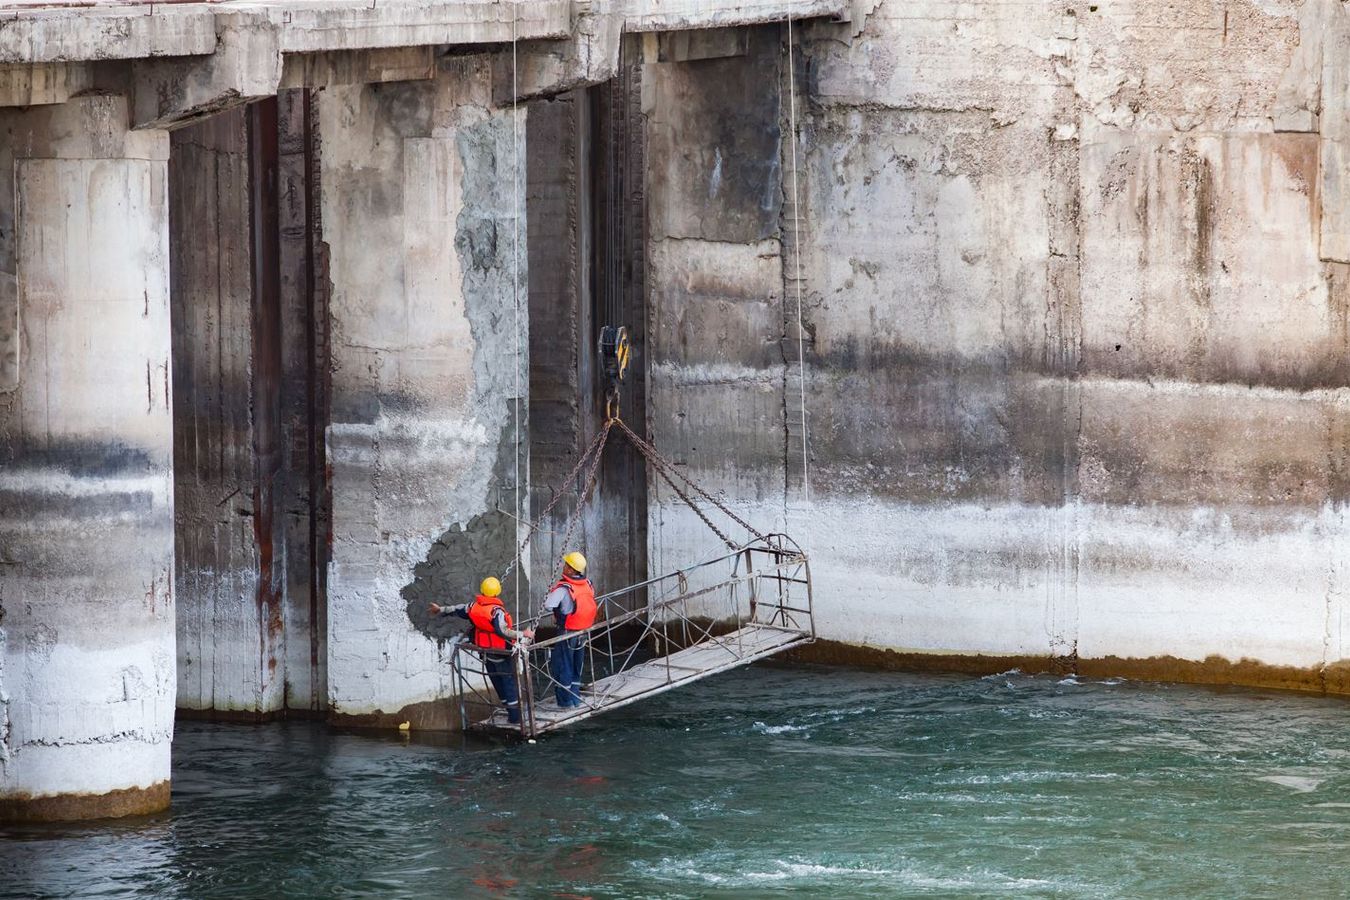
point(466, 554)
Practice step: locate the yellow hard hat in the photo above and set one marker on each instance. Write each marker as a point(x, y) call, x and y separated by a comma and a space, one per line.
point(490, 587)
point(576, 561)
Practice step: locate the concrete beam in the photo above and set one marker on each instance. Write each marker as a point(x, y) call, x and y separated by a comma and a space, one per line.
point(44, 83)
point(377, 66)
point(548, 68)
point(246, 65)
point(57, 33)
point(72, 35)
point(358, 24)
point(326, 43)
point(672, 15)
point(592, 55)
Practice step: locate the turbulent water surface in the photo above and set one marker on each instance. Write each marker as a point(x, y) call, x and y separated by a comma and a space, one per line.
point(814, 782)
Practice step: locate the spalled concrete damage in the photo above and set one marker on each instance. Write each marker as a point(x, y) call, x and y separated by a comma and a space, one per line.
point(298, 313)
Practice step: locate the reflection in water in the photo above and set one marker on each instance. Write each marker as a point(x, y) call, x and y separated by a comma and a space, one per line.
point(807, 781)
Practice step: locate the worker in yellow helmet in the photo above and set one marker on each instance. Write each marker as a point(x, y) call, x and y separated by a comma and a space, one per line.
point(492, 632)
point(572, 604)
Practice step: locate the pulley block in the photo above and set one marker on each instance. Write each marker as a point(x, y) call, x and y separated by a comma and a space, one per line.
point(615, 354)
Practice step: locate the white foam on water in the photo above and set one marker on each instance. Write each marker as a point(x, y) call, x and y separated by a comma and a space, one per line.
point(787, 871)
point(1300, 784)
point(796, 870)
point(1033, 777)
point(779, 729)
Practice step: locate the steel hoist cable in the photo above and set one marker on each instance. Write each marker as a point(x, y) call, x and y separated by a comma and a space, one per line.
point(681, 484)
point(797, 254)
point(515, 272)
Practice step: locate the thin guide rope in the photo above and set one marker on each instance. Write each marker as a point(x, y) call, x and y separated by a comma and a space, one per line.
point(515, 269)
point(797, 254)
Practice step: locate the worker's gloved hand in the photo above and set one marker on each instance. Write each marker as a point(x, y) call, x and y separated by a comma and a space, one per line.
point(434, 609)
point(529, 634)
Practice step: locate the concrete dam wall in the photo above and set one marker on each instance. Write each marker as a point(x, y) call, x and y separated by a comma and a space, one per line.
point(299, 307)
point(1075, 295)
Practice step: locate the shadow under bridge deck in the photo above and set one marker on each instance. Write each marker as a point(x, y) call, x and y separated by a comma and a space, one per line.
point(669, 631)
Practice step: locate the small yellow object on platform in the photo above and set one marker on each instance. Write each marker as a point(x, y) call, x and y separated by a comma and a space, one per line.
point(405, 726)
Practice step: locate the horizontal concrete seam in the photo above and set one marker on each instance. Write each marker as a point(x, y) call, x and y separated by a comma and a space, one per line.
point(1170, 386)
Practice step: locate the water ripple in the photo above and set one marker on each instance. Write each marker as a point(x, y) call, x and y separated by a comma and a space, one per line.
point(806, 782)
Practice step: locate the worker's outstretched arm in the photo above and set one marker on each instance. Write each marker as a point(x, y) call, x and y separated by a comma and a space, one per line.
point(462, 611)
point(506, 632)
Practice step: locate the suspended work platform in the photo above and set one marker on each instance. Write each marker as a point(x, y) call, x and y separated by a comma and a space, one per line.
point(745, 605)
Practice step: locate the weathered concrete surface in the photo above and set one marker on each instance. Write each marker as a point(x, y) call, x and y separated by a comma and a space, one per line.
point(250, 401)
point(418, 212)
point(1325, 27)
point(65, 33)
point(1075, 337)
point(304, 507)
point(223, 643)
point(38, 85)
point(591, 56)
point(121, 32)
point(86, 520)
point(585, 202)
point(716, 285)
point(675, 15)
point(563, 414)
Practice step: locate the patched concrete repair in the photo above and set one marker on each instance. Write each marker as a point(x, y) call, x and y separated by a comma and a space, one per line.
point(1075, 322)
point(468, 552)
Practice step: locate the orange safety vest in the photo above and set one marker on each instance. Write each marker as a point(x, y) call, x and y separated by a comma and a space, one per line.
point(480, 614)
point(583, 596)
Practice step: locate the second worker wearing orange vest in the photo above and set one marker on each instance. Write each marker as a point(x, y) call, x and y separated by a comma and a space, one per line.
point(493, 632)
point(572, 603)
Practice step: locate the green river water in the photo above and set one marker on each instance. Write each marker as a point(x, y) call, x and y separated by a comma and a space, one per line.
point(766, 782)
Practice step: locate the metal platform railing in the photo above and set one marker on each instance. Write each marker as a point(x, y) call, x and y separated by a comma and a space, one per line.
point(724, 613)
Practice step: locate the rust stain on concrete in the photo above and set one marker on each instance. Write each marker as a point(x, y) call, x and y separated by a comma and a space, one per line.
point(23, 808)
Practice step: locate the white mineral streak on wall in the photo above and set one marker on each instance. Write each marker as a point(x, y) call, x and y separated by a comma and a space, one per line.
point(965, 579)
point(86, 498)
point(1077, 333)
point(418, 215)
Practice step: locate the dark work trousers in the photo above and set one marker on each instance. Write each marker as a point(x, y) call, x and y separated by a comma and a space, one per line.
point(502, 674)
point(566, 661)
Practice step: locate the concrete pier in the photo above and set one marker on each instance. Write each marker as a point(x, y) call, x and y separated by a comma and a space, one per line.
point(426, 234)
point(87, 663)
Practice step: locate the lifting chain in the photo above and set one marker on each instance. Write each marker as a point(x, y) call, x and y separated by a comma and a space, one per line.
point(593, 453)
point(666, 469)
point(590, 461)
